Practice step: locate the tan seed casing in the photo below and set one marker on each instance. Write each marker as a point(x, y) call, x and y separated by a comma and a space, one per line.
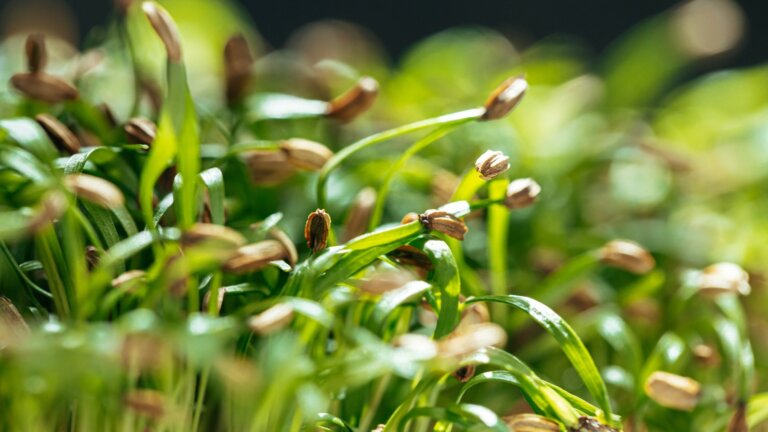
point(627, 255)
point(355, 101)
point(673, 391)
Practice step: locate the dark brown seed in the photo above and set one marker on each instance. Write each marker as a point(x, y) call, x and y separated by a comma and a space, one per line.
point(316, 230)
point(464, 374)
point(44, 87)
point(59, 134)
point(92, 257)
point(139, 130)
point(165, 28)
point(355, 101)
point(108, 114)
point(237, 66)
point(36, 53)
point(411, 256)
point(443, 222)
point(504, 98)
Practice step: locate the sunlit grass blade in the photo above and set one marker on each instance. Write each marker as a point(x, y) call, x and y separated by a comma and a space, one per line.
point(568, 340)
point(466, 415)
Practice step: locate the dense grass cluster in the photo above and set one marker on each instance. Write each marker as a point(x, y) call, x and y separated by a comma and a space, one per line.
point(253, 246)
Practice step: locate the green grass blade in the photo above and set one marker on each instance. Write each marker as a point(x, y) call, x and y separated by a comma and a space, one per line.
point(568, 340)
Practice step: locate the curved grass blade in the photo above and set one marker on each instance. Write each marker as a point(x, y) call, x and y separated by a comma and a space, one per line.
point(278, 106)
point(29, 136)
point(568, 340)
point(465, 415)
point(393, 299)
point(213, 179)
point(384, 236)
point(445, 277)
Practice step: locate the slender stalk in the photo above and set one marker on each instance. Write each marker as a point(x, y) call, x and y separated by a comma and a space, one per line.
point(199, 401)
point(445, 120)
point(497, 231)
point(58, 290)
point(383, 191)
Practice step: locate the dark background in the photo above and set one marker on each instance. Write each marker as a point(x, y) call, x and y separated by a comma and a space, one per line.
point(400, 23)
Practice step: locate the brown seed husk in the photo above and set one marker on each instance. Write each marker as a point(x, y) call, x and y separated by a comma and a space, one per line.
point(491, 164)
point(144, 351)
point(305, 154)
point(738, 422)
point(355, 101)
point(139, 130)
point(385, 281)
point(255, 256)
point(271, 320)
point(589, 424)
point(92, 257)
point(36, 53)
point(237, 68)
point(673, 391)
point(531, 423)
point(292, 255)
point(205, 232)
point(464, 373)
point(443, 186)
point(149, 403)
point(359, 215)
point(723, 278)
point(95, 189)
point(706, 355)
point(268, 167)
point(409, 217)
point(627, 255)
point(444, 222)
point(316, 230)
point(59, 134)
point(469, 339)
point(504, 98)
point(411, 256)
point(44, 87)
point(522, 193)
point(165, 28)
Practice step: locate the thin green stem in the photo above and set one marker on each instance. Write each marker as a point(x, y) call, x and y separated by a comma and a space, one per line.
point(381, 194)
point(58, 290)
point(445, 120)
point(199, 401)
point(497, 231)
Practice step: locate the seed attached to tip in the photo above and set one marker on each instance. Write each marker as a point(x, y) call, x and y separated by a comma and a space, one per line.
point(268, 167)
point(385, 281)
point(531, 423)
point(673, 391)
point(443, 222)
point(271, 320)
point(139, 130)
point(409, 255)
point(409, 217)
point(355, 101)
point(211, 233)
point(305, 154)
point(464, 374)
point(165, 28)
point(491, 164)
point(359, 214)
point(36, 53)
point(505, 98)
point(59, 134)
point(291, 254)
point(522, 193)
point(627, 255)
point(589, 424)
point(723, 278)
point(255, 256)
point(44, 87)
point(95, 189)
point(237, 68)
point(316, 230)
point(469, 339)
point(10, 318)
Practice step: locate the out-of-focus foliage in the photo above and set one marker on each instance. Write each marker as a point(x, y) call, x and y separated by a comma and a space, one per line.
point(624, 145)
